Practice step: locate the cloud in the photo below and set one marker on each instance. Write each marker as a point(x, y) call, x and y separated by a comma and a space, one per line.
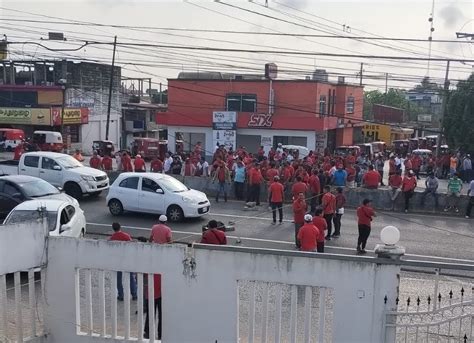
point(452, 16)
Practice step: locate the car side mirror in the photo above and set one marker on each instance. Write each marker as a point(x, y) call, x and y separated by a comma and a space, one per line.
point(64, 227)
point(160, 191)
point(56, 167)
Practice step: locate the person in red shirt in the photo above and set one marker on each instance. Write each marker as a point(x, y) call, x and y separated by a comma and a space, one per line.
point(222, 175)
point(161, 233)
point(308, 234)
point(212, 235)
point(255, 181)
point(392, 168)
point(119, 235)
point(299, 187)
point(351, 175)
point(328, 203)
point(106, 163)
point(156, 165)
point(365, 214)
point(395, 182)
point(276, 195)
point(371, 179)
point(272, 172)
point(315, 189)
point(408, 187)
point(407, 163)
point(95, 161)
point(260, 153)
point(322, 226)
point(340, 203)
point(139, 164)
point(189, 169)
point(299, 210)
point(126, 163)
point(19, 150)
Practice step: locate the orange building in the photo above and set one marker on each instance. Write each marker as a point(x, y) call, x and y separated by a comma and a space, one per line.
point(314, 114)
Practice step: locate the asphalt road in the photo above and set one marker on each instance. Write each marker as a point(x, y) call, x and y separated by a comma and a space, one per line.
point(438, 236)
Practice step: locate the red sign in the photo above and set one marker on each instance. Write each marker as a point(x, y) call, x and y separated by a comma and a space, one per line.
point(260, 120)
point(71, 115)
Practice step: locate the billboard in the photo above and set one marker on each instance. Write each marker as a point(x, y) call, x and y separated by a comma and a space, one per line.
point(25, 116)
point(72, 116)
point(224, 120)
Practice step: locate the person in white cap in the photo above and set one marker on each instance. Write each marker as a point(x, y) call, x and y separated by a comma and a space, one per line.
point(161, 233)
point(308, 234)
point(139, 164)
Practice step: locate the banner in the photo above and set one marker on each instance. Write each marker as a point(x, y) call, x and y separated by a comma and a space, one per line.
point(15, 115)
point(224, 120)
point(228, 138)
point(72, 116)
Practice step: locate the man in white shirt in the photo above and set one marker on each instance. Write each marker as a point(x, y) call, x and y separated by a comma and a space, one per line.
point(203, 167)
point(167, 164)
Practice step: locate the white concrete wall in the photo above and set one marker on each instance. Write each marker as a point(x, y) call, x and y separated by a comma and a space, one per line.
point(207, 145)
point(205, 309)
point(309, 135)
point(22, 247)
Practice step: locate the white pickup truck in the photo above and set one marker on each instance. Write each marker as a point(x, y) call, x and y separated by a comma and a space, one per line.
point(60, 170)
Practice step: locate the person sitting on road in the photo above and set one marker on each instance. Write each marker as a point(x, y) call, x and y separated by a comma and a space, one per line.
point(213, 235)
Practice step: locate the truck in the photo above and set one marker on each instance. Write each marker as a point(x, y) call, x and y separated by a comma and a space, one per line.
point(60, 170)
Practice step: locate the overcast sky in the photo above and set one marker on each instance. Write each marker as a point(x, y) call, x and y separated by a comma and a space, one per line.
point(396, 18)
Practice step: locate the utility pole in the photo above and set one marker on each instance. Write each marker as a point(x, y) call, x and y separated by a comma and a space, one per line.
point(361, 70)
point(443, 113)
point(386, 83)
point(109, 104)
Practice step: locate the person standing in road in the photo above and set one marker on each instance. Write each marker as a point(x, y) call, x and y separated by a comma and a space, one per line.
point(120, 235)
point(365, 215)
point(276, 196)
point(255, 181)
point(408, 188)
point(467, 169)
point(340, 203)
point(95, 161)
point(328, 203)
point(339, 177)
point(416, 163)
point(222, 175)
point(139, 164)
point(431, 184)
point(167, 163)
point(161, 233)
point(299, 210)
point(453, 165)
point(308, 234)
point(454, 193)
point(470, 194)
point(239, 180)
point(106, 163)
point(213, 235)
point(298, 187)
point(156, 165)
point(379, 165)
point(315, 190)
point(371, 179)
point(126, 163)
point(322, 226)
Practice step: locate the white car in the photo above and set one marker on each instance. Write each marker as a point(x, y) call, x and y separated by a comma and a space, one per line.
point(65, 218)
point(156, 193)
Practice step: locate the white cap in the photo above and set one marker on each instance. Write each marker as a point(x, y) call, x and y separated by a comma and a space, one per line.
point(308, 217)
point(163, 218)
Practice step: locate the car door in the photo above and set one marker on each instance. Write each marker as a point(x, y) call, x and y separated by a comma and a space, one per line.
point(51, 171)
point(127, 193)
point(10, 196)
point(73, 222)
point(151, 197)
point(30, 166)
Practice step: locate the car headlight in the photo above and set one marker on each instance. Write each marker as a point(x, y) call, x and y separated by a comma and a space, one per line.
point(188, 200)
point(87, 178)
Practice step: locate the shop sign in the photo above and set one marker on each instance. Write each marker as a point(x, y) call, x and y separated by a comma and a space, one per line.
point(72, 116)
point(228, 138)
point(224, 120)
point(260, 120)
point(267, 143)
point(15, 115)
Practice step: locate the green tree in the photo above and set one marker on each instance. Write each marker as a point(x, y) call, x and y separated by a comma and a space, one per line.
point(427, 84)
point(458, 122)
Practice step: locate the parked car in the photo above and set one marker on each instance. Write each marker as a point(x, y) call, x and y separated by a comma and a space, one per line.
point(345, 150)
point(65, 218)
point(302, 150)
point(156, 193)
point(15, 189)
point(60, 170)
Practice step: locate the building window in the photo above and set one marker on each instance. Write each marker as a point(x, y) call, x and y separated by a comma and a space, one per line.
point(322, 105)
point(350, 104)
point(241, 102)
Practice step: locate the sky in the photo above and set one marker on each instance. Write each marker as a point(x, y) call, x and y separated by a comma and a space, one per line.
point(168, 24)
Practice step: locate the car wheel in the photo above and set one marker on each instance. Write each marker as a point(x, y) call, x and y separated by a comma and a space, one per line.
point(175, 213)
point(73, 190)
point(115, 207)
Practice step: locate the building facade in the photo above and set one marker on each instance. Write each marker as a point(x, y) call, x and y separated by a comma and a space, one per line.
point(32, 94)
point(314, 114)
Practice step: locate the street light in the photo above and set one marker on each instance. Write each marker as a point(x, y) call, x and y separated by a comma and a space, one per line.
point(63, 83)
point(390, 236)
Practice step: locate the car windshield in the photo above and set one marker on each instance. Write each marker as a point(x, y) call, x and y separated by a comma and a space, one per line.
point(38, 188)
point(173, 185)
point(69, 162)
point(31, 216)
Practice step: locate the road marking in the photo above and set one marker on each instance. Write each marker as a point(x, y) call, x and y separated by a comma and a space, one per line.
point(287, 242)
